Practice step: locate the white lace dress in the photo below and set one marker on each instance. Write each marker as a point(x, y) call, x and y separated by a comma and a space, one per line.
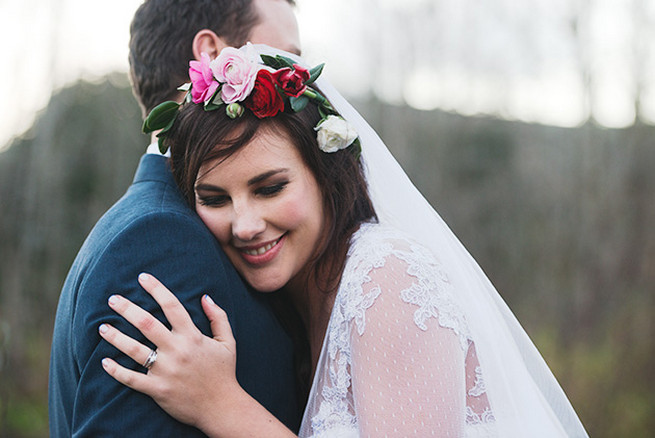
point(397, 358)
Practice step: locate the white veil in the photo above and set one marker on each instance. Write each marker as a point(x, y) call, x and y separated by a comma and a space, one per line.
point(526, 399)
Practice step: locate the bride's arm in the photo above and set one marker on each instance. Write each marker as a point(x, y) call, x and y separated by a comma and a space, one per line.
point(194, 376)
point(406, 380)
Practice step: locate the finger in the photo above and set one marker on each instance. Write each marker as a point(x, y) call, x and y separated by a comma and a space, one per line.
point(220, 325)
point(132, 379)
point(147, 324)
point(174, 311)
point(132, 348)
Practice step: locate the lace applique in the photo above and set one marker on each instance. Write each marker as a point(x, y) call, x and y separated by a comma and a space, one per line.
point(479, 387)
point(485, 417)
point(332, 417)
point(430, 291)
point(480, 425)
point(360, 307)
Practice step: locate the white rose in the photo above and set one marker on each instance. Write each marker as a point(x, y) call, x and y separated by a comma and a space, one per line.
point(334, 133)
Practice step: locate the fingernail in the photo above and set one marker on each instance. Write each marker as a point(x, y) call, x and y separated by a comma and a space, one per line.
point(105, 363)
point(208, 299)
point(144, 277)
point(103, 328)
point(113, 300)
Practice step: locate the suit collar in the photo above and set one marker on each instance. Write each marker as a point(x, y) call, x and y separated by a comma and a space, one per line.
point(153, 167)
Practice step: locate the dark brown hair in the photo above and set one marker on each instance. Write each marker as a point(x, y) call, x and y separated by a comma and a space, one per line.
point(161, 39)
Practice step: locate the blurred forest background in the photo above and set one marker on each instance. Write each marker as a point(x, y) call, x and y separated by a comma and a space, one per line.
point(560, 218)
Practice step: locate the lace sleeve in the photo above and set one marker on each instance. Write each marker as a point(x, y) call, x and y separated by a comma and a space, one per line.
point(408, 372)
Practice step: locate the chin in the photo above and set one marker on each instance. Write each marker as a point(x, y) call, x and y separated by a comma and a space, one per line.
point(266, 285)
point(264, 289)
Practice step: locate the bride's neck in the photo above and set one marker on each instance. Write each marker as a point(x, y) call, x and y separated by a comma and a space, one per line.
point(314, 306)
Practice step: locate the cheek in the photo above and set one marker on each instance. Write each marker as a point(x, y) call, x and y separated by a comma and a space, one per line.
point(216, 222)
point(293, 213)
point(302, 211)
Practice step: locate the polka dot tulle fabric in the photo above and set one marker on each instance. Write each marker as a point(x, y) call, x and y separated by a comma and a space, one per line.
point(397, 358)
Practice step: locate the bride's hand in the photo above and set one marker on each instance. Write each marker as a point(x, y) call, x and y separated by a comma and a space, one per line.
point(193, 374)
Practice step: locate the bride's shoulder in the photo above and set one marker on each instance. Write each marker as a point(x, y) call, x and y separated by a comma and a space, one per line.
point(373, 233)
point(374, 241)
point(382, 252)
point(384, 261)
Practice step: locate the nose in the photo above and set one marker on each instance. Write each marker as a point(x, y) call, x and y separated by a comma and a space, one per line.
point(247, 223)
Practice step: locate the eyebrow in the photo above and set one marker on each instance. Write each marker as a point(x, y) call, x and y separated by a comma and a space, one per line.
point(264, 176)
point(252, 181)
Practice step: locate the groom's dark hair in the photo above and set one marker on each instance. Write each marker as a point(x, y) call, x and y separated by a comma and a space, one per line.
point(161, 38)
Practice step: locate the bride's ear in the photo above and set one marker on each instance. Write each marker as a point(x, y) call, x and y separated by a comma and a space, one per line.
point(208, 42)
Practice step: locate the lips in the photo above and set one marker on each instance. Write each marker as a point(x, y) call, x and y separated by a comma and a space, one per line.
point(262, 254)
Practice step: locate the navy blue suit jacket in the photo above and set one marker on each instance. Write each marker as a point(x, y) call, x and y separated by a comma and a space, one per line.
point(151, 229)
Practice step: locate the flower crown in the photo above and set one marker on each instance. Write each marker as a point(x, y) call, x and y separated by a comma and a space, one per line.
point(239, 79)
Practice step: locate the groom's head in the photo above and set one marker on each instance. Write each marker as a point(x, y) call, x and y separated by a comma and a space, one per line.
point(167, 34)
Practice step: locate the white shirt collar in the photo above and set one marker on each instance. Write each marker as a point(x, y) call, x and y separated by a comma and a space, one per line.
point(154, 149)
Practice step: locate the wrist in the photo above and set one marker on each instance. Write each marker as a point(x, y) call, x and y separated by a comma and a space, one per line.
point(224, 412)
point(240, 415)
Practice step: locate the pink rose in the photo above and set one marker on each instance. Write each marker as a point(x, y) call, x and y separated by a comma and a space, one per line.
point(203, 84)
point(265, 101)
point(292, 82)
point(237, 72)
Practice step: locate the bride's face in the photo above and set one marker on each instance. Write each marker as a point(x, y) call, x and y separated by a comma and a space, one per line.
point(265, 208)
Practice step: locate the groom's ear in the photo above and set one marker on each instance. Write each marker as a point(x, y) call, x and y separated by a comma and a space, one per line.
point(207, 41)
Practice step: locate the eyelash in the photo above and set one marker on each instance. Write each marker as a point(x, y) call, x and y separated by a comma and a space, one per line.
point(266, 191)
point(213, 201)
point(272, 189)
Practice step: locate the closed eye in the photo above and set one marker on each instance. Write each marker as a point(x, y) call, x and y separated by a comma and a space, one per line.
point(213, 201)
point(271, 190)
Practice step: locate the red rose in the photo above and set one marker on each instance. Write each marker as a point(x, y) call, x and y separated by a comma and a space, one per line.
point(265, 101)
point(292, 82)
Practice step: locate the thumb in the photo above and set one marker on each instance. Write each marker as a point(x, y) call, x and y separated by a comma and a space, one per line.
point(220, 325)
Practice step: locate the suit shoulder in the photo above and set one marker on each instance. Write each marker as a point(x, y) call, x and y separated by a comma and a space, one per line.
point(150, 205)
point(142, 232)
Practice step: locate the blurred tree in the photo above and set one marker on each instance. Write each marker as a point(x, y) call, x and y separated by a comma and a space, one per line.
point(55, 182)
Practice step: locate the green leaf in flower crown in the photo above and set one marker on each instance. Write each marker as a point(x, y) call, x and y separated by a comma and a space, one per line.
point(298, 103)
point(287, 61)
point(161, 116)
point(162, 134)
point(161, 146)
point(166, 128)
point(315, 73)
point(215, 102)
point(270, 61)
point(210, 106)
point(184, 87)
point(277, 62)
